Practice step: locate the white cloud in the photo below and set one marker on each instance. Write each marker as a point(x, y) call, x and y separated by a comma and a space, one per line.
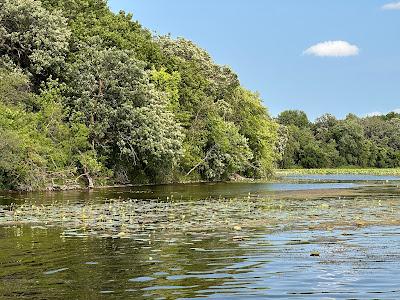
point(392, 6)
point(397, 111)
point(333, 49)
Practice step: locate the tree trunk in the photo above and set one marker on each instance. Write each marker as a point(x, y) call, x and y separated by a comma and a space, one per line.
point(89, 179)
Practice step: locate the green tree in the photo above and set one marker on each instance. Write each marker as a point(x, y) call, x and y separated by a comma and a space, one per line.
point(350, 140)
point(93, 18)
point(38, 149)
point(294, 117)
point(90, 95)
point(129, 121)
point(261, 132)
point(32, 37)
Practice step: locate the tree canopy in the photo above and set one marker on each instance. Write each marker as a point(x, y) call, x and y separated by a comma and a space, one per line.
point(90, 96)
point(328, 142)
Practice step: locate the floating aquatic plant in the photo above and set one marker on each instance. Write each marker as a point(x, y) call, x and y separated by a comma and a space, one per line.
point(125, 219)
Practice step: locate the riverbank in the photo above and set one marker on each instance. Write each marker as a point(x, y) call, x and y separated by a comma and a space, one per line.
point(353, 171)
point(104, 184)
point(110, 185)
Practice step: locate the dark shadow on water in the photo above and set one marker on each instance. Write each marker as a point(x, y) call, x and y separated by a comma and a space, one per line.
point(174, 191)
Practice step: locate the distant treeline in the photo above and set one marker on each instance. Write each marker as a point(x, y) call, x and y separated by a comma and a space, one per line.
point(329, 142)
point(90, 96)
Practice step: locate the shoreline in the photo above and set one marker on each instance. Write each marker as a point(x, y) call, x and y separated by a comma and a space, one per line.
point(277, 177)
point(340, 171)
point(65, 188)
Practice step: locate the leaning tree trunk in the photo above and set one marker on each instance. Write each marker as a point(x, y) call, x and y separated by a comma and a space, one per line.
point(89, 178)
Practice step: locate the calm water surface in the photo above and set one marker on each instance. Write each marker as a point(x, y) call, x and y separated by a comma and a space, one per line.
point(177, 191)
point(345, 177)
point(333, 247)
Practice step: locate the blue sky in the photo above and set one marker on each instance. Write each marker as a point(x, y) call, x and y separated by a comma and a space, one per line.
point(266, 42)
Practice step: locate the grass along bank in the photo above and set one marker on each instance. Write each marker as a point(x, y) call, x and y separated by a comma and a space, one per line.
point(354, 171)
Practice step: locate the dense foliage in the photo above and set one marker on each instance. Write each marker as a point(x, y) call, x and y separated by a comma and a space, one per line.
point(329, 143)
point(90, 96)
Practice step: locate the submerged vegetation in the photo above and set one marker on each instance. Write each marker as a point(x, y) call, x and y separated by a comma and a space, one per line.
point(90, 96)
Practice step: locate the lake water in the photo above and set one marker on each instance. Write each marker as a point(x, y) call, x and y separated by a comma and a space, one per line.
point(344, 177)
point(209, 241)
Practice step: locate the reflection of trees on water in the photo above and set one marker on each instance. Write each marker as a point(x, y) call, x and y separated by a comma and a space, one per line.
point(177, 191)
point(25, 254)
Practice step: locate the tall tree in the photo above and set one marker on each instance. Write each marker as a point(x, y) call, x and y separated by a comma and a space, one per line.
point(128, 118)
point(33, 38)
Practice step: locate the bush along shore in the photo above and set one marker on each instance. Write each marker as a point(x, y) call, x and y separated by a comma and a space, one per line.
point(340, 171)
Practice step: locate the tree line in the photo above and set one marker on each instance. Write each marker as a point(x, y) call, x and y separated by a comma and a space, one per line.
point(90, 96)
point(372, 141)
